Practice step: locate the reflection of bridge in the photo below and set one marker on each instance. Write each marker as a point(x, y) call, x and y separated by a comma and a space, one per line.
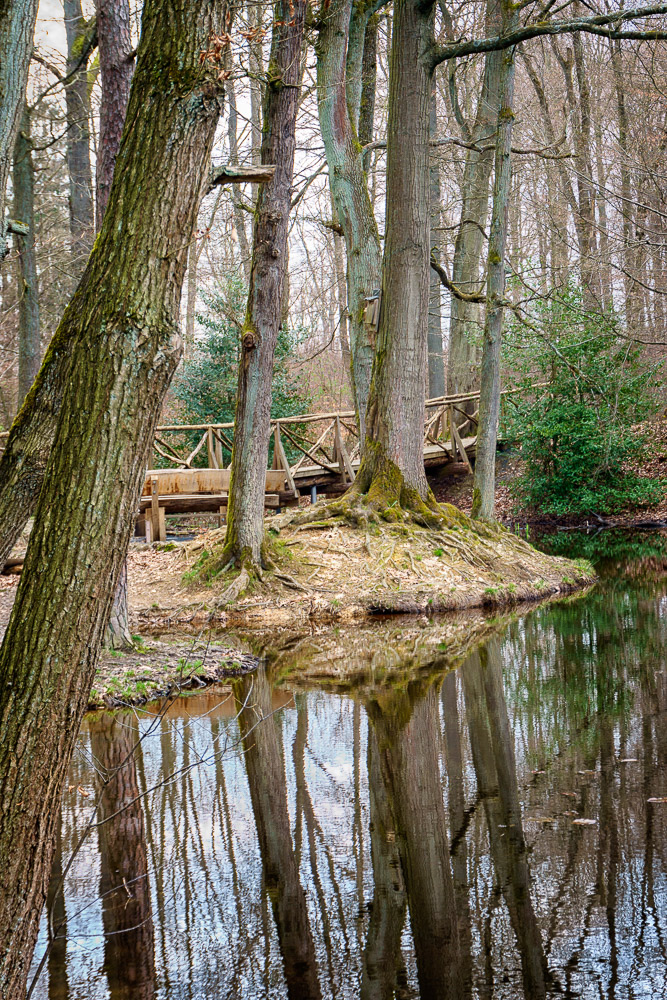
point(321, 450)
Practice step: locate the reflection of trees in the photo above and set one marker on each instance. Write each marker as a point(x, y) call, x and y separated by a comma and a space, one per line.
point(382, 954)
point(408, 736)
point(129, 957)
point(495, 769)
point(55, 908)
point(266, 778)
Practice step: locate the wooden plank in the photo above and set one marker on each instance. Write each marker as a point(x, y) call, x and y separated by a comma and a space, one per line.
point(191, 481)
point(200, 503)
point(212, 463)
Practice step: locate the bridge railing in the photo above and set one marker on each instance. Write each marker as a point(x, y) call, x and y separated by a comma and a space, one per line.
point(320, 443)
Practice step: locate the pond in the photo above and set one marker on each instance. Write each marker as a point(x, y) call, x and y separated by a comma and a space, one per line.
point(494, 830)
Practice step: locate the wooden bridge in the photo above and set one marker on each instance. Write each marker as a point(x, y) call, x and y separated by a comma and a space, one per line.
point(320, 449)
point(311, 452)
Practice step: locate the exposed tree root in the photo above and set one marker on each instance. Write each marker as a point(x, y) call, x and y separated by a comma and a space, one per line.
point(236, 587)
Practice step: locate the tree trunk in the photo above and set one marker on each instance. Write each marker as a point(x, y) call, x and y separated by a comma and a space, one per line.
point(339, 91)
point(24, 211)
point(245, 512)
point(392, 468)
point(484, 483)
point(17, 27)
point(77, 98)
point(436, 361)
point(122, 328)
point(119, 633)
point(268, 793)
point(463, 356)
point(114, 40)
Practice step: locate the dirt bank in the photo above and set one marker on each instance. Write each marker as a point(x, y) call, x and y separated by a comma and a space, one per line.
point(329, 573)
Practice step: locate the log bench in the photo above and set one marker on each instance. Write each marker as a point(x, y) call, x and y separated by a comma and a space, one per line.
point(188, 491)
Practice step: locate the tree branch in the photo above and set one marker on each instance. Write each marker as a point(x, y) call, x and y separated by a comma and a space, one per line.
point(597, 25)
point(454, 289)
point(227, 174)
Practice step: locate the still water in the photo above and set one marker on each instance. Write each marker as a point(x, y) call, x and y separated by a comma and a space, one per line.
point(495, 830)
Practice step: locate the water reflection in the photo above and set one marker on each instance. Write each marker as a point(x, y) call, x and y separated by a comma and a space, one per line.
point(484, 832)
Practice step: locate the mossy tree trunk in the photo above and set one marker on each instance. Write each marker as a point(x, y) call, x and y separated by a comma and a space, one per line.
point(436, 360)
point(343, 105)
point(17, 27)
point(122, 329)
point(23, 180)
point(392, 469)
point(245, 512)
point(484, 483)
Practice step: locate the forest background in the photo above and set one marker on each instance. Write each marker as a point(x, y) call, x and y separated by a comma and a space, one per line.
point(587, 210)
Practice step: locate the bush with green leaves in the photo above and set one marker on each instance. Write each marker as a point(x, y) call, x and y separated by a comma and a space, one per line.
point(576, 432)
point(206, 384)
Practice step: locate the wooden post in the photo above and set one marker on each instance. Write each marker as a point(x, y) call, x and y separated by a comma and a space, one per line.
point(283, 464)
point(162, 524)
point(218, 452)
point(344, 463)
point(155, 508)
point(457, 443)
point(212, 464)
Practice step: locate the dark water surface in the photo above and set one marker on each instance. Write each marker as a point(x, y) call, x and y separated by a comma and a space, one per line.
point(487, 832)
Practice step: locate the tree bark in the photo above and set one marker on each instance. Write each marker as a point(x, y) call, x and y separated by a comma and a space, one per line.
point(24, 211)
point(245, 512)
point(340, 48)
point(122, 330)
point(484, 482)
point(17, 27)
point(77, 98)
point(392, 468)
point(114, 41)
point(268, 793)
